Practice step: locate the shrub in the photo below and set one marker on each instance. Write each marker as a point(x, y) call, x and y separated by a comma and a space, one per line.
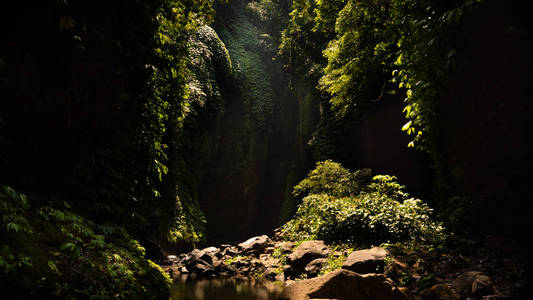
point(380, 212)
point(50, 252)
point(331, 178)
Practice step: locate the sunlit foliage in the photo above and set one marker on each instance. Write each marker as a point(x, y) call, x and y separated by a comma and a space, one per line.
point(344, 207)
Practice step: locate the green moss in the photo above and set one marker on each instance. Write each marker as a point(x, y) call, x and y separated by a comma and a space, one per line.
point(236, 259)
point(248, 56)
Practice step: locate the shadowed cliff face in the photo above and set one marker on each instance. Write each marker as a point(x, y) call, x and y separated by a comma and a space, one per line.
point(486, 119)
point(258, 148)
point(254, 158)
point(377, 142)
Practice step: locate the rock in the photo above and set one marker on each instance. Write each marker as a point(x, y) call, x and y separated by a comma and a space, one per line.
point(396, 269)
point(270, 273)
point(225, 270)
point(482, 285)
point(213, 250)
point(192, 262)
point(256, 263)
point(287, 271)
point(195, 262)
point(314, 267)
point(268, 261)
point(170, 260)
point(192, 256)
point(209, 258)
point(226, 258)
point(230, 251)
point(255, 245)
point(201, 269)
point(225, 246)
point(286, 246)
point(305, 253)
point(269, 250)
point(464, 283)
point(278, 234)
point(184, 270)
point(440, 292)
point(289, 282)
point(366, 261)
point(343, 284)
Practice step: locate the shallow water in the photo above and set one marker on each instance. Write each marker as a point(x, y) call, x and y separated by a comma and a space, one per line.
point(187, 288)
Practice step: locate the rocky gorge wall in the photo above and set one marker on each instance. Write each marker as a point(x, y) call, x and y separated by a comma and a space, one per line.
point(248, 159)
point(245, 146)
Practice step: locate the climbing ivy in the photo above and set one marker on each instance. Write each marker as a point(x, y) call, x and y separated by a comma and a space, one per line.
point(379, 47)
point(427, 47)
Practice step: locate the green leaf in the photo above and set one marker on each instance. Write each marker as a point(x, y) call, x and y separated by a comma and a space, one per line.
point(407, 126)
point(12, 227)
point(52, 266)
point(68, 246)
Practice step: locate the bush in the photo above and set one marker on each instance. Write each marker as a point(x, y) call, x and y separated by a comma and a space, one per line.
point(49, 252)
point(380, 212)
point(331, 178)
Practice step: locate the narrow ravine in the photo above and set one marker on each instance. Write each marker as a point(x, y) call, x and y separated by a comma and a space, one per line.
point(266, 149)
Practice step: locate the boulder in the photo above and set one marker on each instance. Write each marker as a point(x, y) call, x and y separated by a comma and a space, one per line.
point(270, 273)
point(200, 269)
point(305, 253)
point(209, 258)
point(190, 264)
point(170, 260)
point(255, 245)
point(199, 262)
point(268, 261)
point(230, 251)
point(482, 285)
point(288, 271)
point(344, 284)
point(269, 250)
point(193, 255)
point(314, 267)
point(213, 250)
point(474, 283)
point(225, 270)
point(286, 246)
point(366, 261)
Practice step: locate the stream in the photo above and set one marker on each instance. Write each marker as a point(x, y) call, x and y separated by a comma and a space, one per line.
point(187, 288)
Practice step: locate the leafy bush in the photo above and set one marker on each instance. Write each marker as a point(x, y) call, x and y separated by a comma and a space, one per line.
point(47, 252)
point(331, 178)
point(380, 212)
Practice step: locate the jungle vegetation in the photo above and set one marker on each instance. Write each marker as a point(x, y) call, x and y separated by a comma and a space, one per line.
point(133, 128)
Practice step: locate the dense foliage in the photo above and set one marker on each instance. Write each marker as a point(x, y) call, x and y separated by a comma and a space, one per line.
point(132, 123)
point(93, 98)
point(56, 252)
point(371, 44)
point(344, 207)
point(365, 55)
